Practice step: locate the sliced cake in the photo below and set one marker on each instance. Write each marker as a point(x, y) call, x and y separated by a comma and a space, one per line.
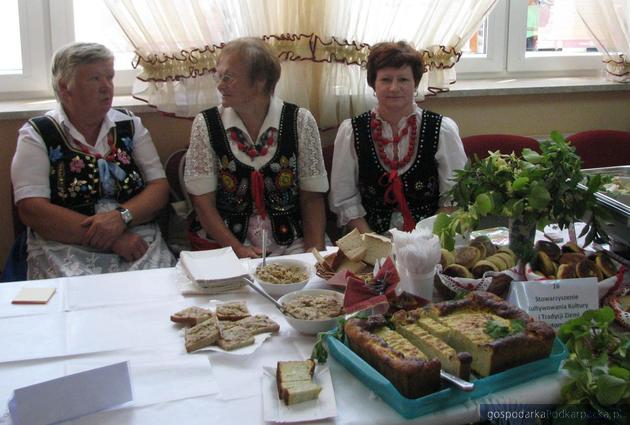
point(497, 334)
point(294, 380)
point(403, 364)
point(452, 362)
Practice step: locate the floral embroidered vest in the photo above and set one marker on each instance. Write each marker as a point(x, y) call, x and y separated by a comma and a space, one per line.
point(420, 181)
point(75, 176)
point(281, 192)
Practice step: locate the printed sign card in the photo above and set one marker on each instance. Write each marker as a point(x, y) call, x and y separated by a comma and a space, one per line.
point(555, 301)
point(71, 396)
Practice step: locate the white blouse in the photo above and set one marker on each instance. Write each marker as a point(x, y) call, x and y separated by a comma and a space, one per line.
point(344, 197)
point(200, 174)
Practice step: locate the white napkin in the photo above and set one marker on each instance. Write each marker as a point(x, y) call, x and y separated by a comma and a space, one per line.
point(217, 267)
point(187, 286)
point(417, 254)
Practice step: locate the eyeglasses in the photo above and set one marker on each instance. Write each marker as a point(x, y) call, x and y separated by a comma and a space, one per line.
point(227, 79)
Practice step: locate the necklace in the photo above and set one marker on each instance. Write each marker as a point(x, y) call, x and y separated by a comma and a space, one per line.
point(257, 149)
point(110, 142)
point(381, 142)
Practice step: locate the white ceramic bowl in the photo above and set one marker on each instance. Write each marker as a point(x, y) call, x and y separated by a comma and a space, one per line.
point(311, 327)
point(279, 289)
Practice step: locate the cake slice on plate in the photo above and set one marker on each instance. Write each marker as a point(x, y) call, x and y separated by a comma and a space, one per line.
point(294, 380)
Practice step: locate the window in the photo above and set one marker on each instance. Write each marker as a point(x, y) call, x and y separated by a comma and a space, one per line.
point(520, 37)
point(11, 59)
point(32, 30)
point(536, 37)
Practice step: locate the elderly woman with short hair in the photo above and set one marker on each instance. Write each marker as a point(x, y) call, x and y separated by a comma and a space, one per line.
point(87, 179)
point(255, 162)
point(392, 164)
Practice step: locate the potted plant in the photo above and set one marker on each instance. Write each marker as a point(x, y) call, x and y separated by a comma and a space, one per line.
point(532, 191)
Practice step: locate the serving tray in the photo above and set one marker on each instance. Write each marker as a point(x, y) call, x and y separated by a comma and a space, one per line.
point(447, 397)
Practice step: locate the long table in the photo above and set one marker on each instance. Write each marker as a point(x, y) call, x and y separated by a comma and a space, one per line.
point(101, 319)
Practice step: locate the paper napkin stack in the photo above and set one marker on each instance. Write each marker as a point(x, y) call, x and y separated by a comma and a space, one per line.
point(417, 254)
point(215, 271)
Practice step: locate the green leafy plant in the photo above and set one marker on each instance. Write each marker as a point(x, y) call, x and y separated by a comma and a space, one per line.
point(498, 330)
point(598, 363)
point(540, 188)
point(319, 353)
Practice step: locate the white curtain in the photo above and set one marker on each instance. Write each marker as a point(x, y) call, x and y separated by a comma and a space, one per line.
point(323, 45)
point(608, 22)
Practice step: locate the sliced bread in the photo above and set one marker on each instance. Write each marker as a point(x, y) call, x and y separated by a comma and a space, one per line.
point(202, 335)
point(236, 310)
point(352, 245)
point(235, 337)
point(256, 324)
point(192, 316)
point(377, 247)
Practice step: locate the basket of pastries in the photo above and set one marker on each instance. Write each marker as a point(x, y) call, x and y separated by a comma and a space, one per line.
point(357, 253)
point(570, 261)
point(480, 265)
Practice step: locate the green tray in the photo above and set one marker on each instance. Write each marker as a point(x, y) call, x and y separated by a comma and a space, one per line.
point(447, 397)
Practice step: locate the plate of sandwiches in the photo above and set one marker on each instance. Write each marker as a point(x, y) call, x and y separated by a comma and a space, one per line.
point(357, 253)
point(229, 328)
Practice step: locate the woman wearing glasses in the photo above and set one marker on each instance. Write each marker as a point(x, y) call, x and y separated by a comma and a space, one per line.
point(255, 162)
point(392, 164)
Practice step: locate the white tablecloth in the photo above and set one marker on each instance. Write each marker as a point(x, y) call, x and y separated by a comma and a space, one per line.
point(97, 320)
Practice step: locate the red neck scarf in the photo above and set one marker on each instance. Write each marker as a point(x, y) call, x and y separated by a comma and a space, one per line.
point(258, 192)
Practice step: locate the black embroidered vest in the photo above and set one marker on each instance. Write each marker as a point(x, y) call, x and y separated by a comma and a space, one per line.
point(281, 193)
point(74, 175)
point(420, 181)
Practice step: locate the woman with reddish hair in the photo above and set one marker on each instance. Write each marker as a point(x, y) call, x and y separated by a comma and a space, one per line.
point(392, 164)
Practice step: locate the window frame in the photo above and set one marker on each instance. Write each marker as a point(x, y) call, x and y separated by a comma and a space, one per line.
point(519, 60)
point(33, 27)
point(507, 55)
point(46, 25)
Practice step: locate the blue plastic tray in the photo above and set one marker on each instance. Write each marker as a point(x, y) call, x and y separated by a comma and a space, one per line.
point(448, 397)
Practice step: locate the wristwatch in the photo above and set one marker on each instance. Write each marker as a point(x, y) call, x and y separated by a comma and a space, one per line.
point(125, 214)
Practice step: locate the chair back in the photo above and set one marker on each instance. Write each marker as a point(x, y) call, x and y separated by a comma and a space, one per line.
point(332, 230)
point(174, 169)
point(175, 229)
point(602, 148)
point(481, 144)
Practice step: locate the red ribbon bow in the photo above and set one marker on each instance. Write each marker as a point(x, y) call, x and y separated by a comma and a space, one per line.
point(258, 193)
point(394, 194)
